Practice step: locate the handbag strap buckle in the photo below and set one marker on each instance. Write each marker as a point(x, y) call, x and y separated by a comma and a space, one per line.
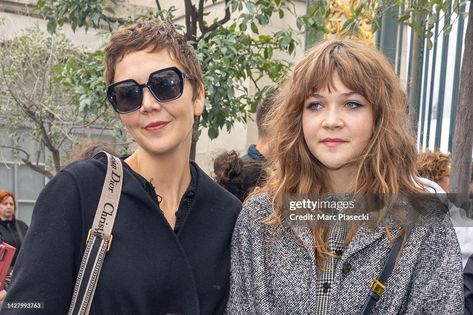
point(377, 287)
point(109, 240)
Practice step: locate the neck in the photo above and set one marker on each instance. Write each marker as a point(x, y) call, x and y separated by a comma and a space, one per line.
point(3, 218)
point(169, 174)
point(342, 180)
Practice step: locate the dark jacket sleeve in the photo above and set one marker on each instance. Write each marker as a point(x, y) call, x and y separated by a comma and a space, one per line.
point(468, 286)
point(44, 271)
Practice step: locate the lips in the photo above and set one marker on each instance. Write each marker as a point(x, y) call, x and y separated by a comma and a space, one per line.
point(332, 142)
point(154, 126)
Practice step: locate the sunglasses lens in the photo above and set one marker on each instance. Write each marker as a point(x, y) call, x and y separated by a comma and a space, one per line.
point(126, 97)
point(166, 85)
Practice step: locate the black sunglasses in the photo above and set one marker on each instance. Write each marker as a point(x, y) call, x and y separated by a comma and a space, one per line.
point(165, 85)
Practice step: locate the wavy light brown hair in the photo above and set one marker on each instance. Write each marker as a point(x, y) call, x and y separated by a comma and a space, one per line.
point(153, 36)
point(433, 165)
point(387, 164)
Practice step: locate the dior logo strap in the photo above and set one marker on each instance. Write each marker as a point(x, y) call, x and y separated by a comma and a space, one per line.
point(99, 239)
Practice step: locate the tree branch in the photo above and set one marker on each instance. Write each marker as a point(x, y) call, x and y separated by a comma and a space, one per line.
point(200, 14)
point(189, 15)
point(158, 5)
point(254, 82)
point(217, 24)
point(35, 167)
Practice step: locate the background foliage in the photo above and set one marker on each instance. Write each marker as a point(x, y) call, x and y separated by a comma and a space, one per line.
point(39, 99)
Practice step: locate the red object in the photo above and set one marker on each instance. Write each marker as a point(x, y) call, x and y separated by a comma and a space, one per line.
point(6, 256)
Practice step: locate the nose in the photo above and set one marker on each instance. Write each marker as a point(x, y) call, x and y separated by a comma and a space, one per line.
point(333, 118)
point(150, 103)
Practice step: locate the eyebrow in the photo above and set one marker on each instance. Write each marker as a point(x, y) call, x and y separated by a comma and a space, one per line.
point(347, 94)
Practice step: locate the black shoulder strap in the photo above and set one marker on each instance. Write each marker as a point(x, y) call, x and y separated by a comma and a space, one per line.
point(378, 284)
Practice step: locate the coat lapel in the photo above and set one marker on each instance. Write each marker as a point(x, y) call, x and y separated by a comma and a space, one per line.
point(303, 233)
point(363, 238)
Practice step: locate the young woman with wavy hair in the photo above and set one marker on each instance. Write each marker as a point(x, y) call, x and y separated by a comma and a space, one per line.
point(341, 133)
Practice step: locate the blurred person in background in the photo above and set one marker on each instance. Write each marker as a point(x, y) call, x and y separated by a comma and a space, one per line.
point(435, 165)
point(260, 150)
point(238, 176)
point(12, 230)
point(434, 169)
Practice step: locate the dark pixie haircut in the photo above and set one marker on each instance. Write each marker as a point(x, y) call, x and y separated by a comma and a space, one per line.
point(264, 107)
point(238, 176)
point(153, 36)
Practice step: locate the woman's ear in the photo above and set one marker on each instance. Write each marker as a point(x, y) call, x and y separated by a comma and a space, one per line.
point(199, 101)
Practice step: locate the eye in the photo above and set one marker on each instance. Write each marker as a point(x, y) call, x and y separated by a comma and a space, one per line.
point(314, 106)
point(353, 105)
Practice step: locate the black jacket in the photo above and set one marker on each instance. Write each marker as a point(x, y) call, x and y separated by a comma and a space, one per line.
point(13, 232)
point(150, 269)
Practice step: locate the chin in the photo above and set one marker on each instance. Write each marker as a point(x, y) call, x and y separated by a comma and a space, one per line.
point(332, 165)
point(163, 148)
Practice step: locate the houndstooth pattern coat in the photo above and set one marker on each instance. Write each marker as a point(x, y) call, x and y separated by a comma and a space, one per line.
point(279, 276)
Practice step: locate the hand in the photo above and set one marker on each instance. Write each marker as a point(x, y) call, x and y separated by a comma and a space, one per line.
point(3, 293)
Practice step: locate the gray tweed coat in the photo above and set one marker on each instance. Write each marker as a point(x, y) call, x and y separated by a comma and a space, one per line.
point(278, 277)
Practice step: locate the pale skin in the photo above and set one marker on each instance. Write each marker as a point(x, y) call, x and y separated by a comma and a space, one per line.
point(7, 208)
point(337, 126)
point(163, 131)
point(262, 145)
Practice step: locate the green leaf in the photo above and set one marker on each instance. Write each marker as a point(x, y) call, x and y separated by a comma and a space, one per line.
point(213, 132)
point(447, 29)
point(254, 28)
point(430, 44)
point(281, 13)
point(52, 25)
point(250, 6)
point(110, 10)
point(95, 19)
